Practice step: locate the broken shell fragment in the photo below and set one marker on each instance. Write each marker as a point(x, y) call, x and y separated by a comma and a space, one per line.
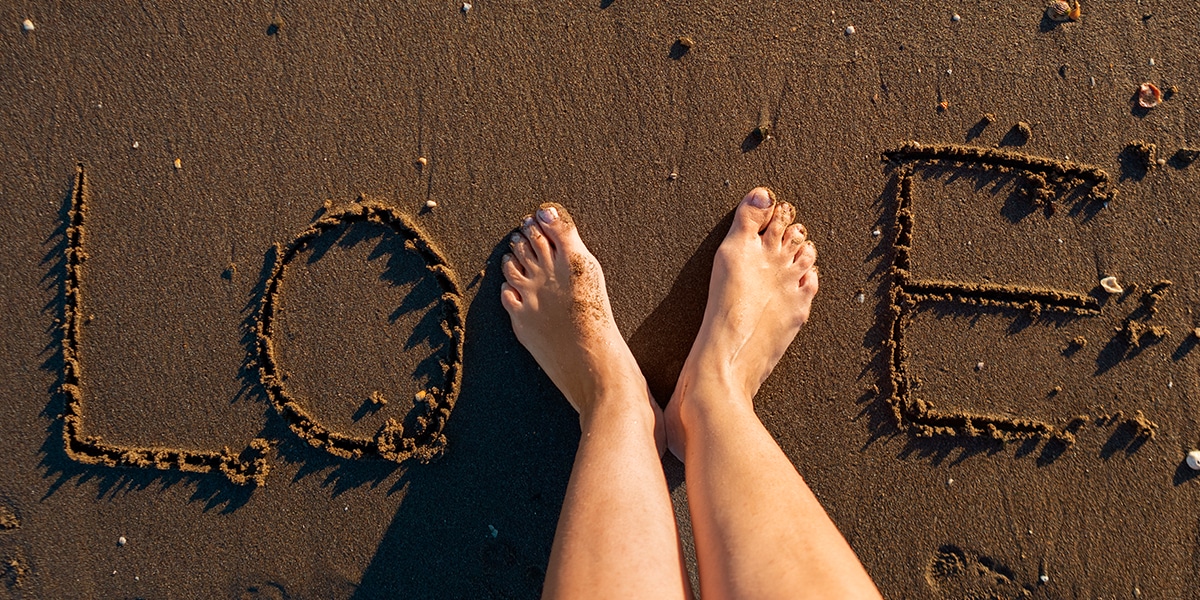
point(1059, 10)
point(1149, 95)
point(1075, 11)
point(1193, 460)
point(1111, 286)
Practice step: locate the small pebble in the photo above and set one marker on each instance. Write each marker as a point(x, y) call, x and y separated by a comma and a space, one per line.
point(27, 25)
point(876, 232)
point(956, 18)
point(430, 204)
point(1196, 332)
point(1044, 578)
point(1152, 62)
point(423, 161)
point(466, 7)
point(121, 541)
point(950, 482)
point(135, 145)
point(1193, 460)
point(1092, 81)
point(1161, 161)
point(860, 298)
point(949, 71)
point(178, 164)
point(493, 531)
point(673, 176)
point(979, 366)
point(850, 30)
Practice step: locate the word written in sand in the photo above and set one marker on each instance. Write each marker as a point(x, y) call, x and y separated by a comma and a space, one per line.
point(1047, 181)
point(424, 440)
point(247, 467)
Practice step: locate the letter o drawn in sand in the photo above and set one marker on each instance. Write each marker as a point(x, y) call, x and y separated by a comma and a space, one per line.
point(423, 439)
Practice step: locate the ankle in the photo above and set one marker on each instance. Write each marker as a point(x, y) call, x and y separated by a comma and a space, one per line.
point(709, 396)
point(621, 408)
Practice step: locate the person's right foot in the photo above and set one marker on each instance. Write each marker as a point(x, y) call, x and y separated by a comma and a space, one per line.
point(762, 286)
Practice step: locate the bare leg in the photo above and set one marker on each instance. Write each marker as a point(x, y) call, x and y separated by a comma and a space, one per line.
point(760, 532)
point(616, 535)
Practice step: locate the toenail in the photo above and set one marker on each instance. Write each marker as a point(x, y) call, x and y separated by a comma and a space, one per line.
point(506, 258)
point(529, 221)
point(761, 199)
point(548, 215)
point(516, 238)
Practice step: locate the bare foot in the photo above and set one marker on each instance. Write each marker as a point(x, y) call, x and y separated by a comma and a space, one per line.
point(762, 286)
point(554, 293)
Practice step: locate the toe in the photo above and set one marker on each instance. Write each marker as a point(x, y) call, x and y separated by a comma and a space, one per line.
point(510, 298)
point(793, 237)
point(537, 238)
point(511, 267)
point(524, 253)
point(753, 213)
point(784, 214)
point(559, 228)
point(806, 256)
point(809, 283)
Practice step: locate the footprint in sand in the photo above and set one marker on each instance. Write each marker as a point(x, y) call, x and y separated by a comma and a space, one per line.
point(955, 573)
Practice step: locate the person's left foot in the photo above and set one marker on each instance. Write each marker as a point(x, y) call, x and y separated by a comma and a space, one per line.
point(554, 293)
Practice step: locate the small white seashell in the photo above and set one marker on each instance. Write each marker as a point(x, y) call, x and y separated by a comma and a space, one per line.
point(27, 25)
point(466, 7)
point(860, 298)
point(1044, 578)
point(178, 164)
point(979, 366)
point(876, 232)
point(1193, 460)
point(430, 204)
point(422, 161)
point(956, 18)
point(850, 30)
point(1111, 286)
point(1152, 62)
point(121, 541)
point(135, 145)
point(1092, 81)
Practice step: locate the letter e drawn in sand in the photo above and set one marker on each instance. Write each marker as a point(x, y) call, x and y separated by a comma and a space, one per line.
point(424, 439)
point(1045, 183)
point(246, 467)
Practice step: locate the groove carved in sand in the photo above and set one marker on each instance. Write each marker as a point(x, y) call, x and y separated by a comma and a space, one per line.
point(247, 467)
point(424, 440)
point(1047, 181)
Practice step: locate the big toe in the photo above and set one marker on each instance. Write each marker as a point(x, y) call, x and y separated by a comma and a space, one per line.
point(559, 227)
point(753, 212)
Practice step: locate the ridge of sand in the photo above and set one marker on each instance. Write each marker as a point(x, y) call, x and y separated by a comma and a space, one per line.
point(394, 441)
point(1049, 180)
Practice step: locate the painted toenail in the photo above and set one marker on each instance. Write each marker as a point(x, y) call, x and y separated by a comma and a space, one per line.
point(548, 215)
point(761, 199)
point(516, 238)
point(529, 221)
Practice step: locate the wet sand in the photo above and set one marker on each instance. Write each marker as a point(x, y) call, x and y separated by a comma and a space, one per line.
point(978, 415)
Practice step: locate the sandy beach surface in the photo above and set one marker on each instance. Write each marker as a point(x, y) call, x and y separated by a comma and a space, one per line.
point(980, 418)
